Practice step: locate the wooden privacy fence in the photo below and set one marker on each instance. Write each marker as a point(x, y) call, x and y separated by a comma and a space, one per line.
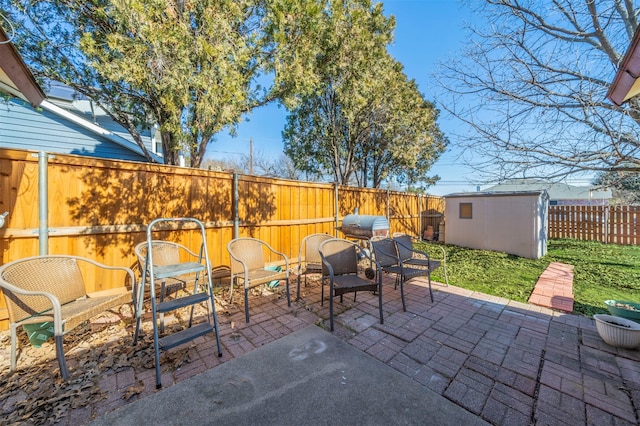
point(99, 208)
point(607, 224)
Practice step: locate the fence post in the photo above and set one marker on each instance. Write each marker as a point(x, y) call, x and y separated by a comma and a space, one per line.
point(606, 224)
point(388, 206)
point(335, 197)
point(236, 218)
point(43, 202)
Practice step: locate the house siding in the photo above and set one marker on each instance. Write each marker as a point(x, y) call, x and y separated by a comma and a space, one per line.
point(22, 127)
point(108, 124)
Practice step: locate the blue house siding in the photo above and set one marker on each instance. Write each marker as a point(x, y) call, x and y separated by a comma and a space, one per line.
point(23, 127)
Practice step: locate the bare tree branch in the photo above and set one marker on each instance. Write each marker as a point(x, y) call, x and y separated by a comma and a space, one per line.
point(531, 88)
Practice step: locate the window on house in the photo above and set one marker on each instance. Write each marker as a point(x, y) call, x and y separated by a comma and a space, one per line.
point(466, 210)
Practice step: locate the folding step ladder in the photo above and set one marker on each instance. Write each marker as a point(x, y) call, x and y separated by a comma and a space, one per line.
point(155, 271)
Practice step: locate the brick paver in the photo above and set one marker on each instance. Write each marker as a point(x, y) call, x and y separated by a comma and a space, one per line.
point(509, 363)
point(554, 288)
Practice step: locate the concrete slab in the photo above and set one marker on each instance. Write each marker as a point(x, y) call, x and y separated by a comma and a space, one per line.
point(308, 377)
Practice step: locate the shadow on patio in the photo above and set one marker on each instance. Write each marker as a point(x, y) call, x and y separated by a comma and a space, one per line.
point(506, 362)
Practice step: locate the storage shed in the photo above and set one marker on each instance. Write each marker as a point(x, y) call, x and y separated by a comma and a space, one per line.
point(510, 222)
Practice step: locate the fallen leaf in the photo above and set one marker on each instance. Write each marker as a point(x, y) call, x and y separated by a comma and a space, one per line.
point(133, 390)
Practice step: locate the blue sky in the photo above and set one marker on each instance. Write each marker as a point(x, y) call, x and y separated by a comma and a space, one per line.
point(427, 31)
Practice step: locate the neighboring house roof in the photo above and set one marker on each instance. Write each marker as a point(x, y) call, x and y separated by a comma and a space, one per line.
point(626, 83)
point(14, 73)
point(556, 191)
point(96, 129)
point(17, 80)
point(64, 102)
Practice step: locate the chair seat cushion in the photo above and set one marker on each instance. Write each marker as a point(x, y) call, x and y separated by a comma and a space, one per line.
point(415, 272)
point(262, 276)
point(348, 283)
point(431, 264)
point(80, 310)
point(313, 267)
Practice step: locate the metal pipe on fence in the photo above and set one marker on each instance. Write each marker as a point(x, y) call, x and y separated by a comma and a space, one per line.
point(236, 215)
point(420, 216)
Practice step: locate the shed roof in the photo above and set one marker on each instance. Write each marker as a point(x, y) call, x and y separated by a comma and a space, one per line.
point(535, 193)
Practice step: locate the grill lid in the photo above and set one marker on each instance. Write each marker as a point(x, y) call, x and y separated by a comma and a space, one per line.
point(366, 226)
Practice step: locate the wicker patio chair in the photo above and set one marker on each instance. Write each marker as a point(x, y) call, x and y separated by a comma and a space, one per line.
point(166, 253)
point(385, 251)
point(311, 261)
point(249, 267)
point(51, 288)
point(413, 257)
point(340, 267)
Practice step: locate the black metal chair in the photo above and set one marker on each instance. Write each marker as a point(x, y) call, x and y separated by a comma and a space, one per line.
point(386, 252)
point(340, 267)
point(413, 257)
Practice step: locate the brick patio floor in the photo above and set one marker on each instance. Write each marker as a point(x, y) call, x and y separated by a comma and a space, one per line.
point(554, 288)
point(509, 363)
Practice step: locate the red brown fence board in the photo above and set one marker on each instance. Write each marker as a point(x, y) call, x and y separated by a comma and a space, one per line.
point(607, 224)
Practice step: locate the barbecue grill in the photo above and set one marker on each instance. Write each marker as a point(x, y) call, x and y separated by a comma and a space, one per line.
point(364, 227)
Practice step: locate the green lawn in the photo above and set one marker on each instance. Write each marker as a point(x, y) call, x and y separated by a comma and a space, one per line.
point(601, 272)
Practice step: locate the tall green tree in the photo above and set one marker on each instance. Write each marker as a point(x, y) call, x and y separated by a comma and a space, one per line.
point(402, 139)
point(366, 122)
point(192, 66)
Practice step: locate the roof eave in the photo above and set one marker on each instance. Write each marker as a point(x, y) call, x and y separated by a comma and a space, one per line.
point(18, 72)
point(624, 85)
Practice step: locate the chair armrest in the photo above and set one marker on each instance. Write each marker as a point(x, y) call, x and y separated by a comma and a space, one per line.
point(284, 256)
point(444, 252)
point(55, 303)
point(300, 258)
point(328, 265)
point(102, 265)
point(190, 252)
point(18, 290)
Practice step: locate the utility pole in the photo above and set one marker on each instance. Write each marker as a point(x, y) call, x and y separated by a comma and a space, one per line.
point(251, 156)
